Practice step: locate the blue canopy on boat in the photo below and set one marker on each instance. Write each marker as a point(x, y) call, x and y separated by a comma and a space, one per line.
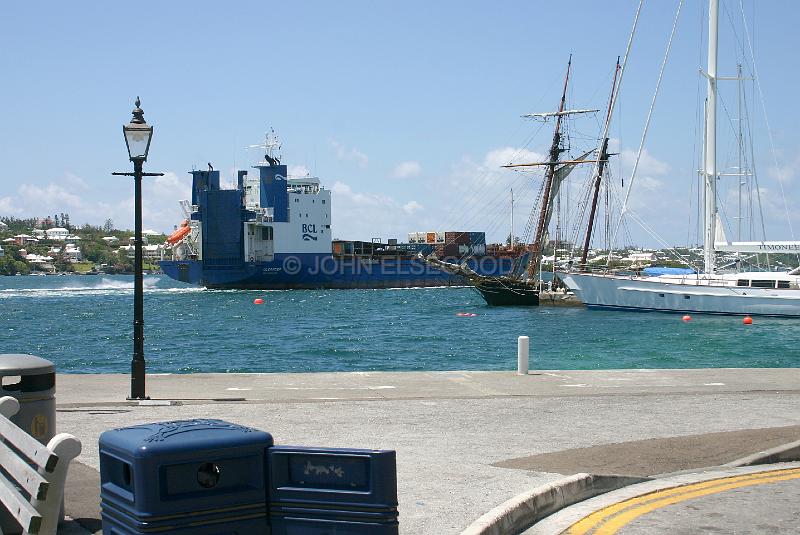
point(655, 271)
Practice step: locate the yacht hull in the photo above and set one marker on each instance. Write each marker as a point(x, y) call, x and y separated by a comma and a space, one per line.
point(681, 295)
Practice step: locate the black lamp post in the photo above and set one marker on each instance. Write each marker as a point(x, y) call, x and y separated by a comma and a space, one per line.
point(137, 138)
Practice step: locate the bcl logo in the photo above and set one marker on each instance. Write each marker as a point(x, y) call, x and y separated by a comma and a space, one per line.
point(308, 232)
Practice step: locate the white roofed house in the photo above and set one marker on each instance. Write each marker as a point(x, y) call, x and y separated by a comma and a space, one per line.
point(40, 262)
point(2, 252)
point(640, 258)
point(73, 254)
point(3, 227)
point(56, 233)
point(149, 252)
point(111, 240)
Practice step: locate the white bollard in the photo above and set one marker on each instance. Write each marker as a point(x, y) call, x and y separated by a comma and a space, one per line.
point(523, 345)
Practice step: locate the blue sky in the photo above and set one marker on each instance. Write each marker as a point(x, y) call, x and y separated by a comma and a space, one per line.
point(405, 110)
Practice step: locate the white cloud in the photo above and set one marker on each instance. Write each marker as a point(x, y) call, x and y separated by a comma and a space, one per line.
point(407, 170)
point(371, 215)
point(160, 208)
point(160, 196)
point(8, 206)
point(649, 183)
point(475, 194)
point(74, 181)
point(50, 197)
point(412, 207)
point(785, 173)
point(648, 164)
point(298, 171)
point(350, 154)
point(169, 187)
point(497, 158)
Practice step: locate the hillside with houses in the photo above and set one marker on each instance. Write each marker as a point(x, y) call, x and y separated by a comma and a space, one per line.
point(52, 245)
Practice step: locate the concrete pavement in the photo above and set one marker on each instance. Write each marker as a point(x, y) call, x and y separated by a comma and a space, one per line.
point(458, 434)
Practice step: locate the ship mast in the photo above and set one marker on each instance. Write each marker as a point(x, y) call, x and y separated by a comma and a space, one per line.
point(602, 160)
point(555, 152)
point(511, 241)
point(710, 166)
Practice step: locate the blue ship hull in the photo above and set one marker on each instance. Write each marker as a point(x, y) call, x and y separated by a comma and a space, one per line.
point(316, 271)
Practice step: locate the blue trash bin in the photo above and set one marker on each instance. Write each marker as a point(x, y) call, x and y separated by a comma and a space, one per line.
point(331, 491)
point(193, 477)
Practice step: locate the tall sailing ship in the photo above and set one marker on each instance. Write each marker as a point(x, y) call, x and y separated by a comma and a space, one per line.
point(712, 292)
point(521, 287)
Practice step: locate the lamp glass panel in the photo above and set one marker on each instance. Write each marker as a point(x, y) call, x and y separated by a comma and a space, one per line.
point(138, 140)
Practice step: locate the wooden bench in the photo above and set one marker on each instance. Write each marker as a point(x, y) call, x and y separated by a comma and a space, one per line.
point(35, 494)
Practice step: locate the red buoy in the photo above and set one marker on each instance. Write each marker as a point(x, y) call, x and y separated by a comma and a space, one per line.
point(747, 320)
point(258, 301)
point(687, 317)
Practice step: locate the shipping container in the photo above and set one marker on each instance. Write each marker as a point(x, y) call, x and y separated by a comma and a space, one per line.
point(440, 237)
point(338, 249)
point(460, 237)
point(477, 238)
point(430, 237)
point(463, 249)
point(450, 249)
point(479, 249)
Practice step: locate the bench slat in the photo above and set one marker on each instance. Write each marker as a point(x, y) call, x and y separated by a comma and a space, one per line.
point(23, 473)
point(32, 448)
point(19, 507)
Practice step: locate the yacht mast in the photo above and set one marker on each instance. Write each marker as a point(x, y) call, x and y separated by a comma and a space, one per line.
point(710, 167)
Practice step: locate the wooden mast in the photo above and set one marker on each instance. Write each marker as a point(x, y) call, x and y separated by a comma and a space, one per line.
point(602, 159)
point(555, 152)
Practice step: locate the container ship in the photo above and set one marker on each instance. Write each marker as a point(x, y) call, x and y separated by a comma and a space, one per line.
point(274, 232)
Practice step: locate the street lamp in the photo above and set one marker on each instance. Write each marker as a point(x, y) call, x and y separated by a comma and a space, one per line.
point(137, 138)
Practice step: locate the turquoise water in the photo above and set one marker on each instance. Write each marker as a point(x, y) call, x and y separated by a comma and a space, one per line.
point(84, 325)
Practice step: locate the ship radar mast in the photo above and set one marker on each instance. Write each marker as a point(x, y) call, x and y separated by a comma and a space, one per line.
point(271, 148)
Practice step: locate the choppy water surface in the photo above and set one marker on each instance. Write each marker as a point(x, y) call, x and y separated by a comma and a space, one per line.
point(84, 325)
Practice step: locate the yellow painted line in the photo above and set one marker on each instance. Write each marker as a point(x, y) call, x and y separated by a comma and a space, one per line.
point(591, 521)
point(621, 520)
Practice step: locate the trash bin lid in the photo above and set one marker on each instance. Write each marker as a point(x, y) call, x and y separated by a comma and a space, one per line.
point(20, 364)
point(182, 437)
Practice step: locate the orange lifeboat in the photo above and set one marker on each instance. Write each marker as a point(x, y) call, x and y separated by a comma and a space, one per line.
point(179, 234)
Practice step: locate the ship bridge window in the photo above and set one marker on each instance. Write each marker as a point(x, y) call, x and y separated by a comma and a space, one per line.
point(763, 284)
point(742, 282)
point(323, 201)
point(784, 284)
point(297, 200)
point(266, 233)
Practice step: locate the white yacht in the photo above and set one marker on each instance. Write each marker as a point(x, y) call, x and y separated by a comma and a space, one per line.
point(743, 293)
